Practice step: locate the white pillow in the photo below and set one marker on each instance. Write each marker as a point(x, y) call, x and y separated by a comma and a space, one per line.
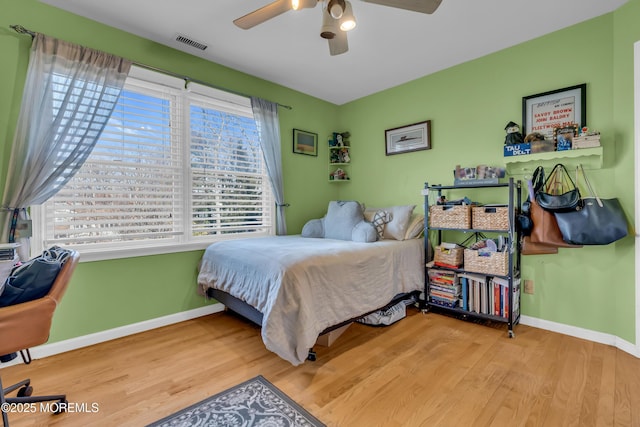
point(395, 229)
point(415, 227)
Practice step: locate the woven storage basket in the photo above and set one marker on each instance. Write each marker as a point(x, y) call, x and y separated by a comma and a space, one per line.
point(488, 263)
point(449, 256)
point(490, 217)
point(444, 216)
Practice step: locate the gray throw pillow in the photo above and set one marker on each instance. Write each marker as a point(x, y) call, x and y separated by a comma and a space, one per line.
point(341, 218)
point(364, 232)
point(313, 228)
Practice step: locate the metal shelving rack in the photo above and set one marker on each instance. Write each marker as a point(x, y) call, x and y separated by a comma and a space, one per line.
point(515, 198)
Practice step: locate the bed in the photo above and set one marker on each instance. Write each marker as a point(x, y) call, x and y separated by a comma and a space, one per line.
point(302, 286)
point(296, 287)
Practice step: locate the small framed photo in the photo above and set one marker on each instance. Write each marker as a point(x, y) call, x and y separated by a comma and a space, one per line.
point(408, 138)
point(563, 137)
point(305, 142)
point(544, 112)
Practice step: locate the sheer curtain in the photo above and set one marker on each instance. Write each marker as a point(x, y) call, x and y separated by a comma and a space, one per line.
point(266, 115)
point(69, 95)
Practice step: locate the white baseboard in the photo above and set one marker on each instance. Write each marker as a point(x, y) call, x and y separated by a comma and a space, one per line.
point(586, 334)
point(46, 350)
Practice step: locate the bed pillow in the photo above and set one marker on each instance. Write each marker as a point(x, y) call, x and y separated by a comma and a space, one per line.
point(379, 220)
point(397, 227)
point(416, 226)
point(313, 228)
point(341, 218)
point(364, 232)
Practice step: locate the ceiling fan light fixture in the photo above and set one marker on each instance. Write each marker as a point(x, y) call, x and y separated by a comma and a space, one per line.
point(329, 25)
point(336, 8)
point(348, 20)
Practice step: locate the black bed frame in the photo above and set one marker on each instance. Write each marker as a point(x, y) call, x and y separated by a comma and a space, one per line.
point(251, 313)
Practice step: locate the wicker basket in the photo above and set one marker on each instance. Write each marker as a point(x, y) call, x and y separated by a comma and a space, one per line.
point(490, 217)
point(445, 216)
point(496, 263)
point(448, 256)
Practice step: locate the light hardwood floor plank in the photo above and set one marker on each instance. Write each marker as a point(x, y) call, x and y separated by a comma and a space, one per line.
point(426, 370)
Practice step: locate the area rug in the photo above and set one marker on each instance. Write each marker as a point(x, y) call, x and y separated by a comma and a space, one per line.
point(256, 402)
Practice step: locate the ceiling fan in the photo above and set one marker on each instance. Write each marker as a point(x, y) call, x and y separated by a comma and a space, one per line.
point(337, 16)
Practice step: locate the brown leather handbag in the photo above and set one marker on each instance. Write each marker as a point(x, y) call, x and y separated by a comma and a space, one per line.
point(527, 247)
point(545, 228)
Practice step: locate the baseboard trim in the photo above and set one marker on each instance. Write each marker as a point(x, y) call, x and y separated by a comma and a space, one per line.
point(46, 350)
point(586, 334)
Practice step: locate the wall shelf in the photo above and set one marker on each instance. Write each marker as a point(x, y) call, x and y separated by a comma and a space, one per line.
point(589, 158)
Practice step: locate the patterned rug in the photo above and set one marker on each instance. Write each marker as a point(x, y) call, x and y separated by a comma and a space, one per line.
point(256, 402)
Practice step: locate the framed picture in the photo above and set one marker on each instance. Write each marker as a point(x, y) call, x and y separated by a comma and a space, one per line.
point(408, 138)
point(305, 142)
point(564, 137)
point(546, 111)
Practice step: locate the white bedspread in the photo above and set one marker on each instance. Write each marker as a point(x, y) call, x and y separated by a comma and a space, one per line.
point(304, 285)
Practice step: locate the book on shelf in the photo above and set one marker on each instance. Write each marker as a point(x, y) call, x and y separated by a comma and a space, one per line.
point(443, 295)
point(443, 276)
point(465, 292)
point(444, 302)
point(445, 265)
point(500, 288)
point(453, 290)
point(8, 251)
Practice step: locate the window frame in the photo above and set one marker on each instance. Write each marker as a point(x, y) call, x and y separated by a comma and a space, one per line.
point(185, 93)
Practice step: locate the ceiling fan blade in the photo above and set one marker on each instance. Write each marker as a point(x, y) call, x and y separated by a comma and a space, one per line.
point(263, 14)
point(422, 6)
point(338, 44)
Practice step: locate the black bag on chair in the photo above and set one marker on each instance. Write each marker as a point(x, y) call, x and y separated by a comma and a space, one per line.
point(599, 222)
point(34, 278)
point(559, 193)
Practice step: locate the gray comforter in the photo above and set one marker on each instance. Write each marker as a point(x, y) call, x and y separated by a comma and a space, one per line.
point(304, 285)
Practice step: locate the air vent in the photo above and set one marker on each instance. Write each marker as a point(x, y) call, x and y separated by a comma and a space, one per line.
point(186, 40)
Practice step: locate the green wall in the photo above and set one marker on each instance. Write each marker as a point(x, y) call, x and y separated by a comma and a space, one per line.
point(469, 105)
point(109, 294)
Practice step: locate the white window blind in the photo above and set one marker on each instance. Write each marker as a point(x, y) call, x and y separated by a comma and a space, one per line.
point(228, 175)
point(172, 167)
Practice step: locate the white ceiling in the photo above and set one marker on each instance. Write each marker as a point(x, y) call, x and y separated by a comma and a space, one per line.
point(388, 47)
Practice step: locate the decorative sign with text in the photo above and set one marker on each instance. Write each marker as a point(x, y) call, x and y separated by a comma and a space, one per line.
point(547, 111)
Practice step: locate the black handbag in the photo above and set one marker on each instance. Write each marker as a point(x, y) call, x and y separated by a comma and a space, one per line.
point(559, 193)
point(599, 222)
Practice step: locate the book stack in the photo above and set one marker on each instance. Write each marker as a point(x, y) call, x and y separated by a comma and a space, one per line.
point(8, 251)
point(444, 288)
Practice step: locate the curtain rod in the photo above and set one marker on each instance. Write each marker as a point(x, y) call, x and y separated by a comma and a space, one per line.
point(22, 30)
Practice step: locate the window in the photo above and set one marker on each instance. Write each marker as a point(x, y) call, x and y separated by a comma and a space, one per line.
point(173, 170)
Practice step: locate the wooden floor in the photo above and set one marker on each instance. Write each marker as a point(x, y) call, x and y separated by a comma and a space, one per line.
point(426, 370)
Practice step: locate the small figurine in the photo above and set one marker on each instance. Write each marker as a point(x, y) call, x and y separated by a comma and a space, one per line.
point(344, 155)
point(534, 136)
point(339, 140)
point(513, 134)
point(339, 174)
